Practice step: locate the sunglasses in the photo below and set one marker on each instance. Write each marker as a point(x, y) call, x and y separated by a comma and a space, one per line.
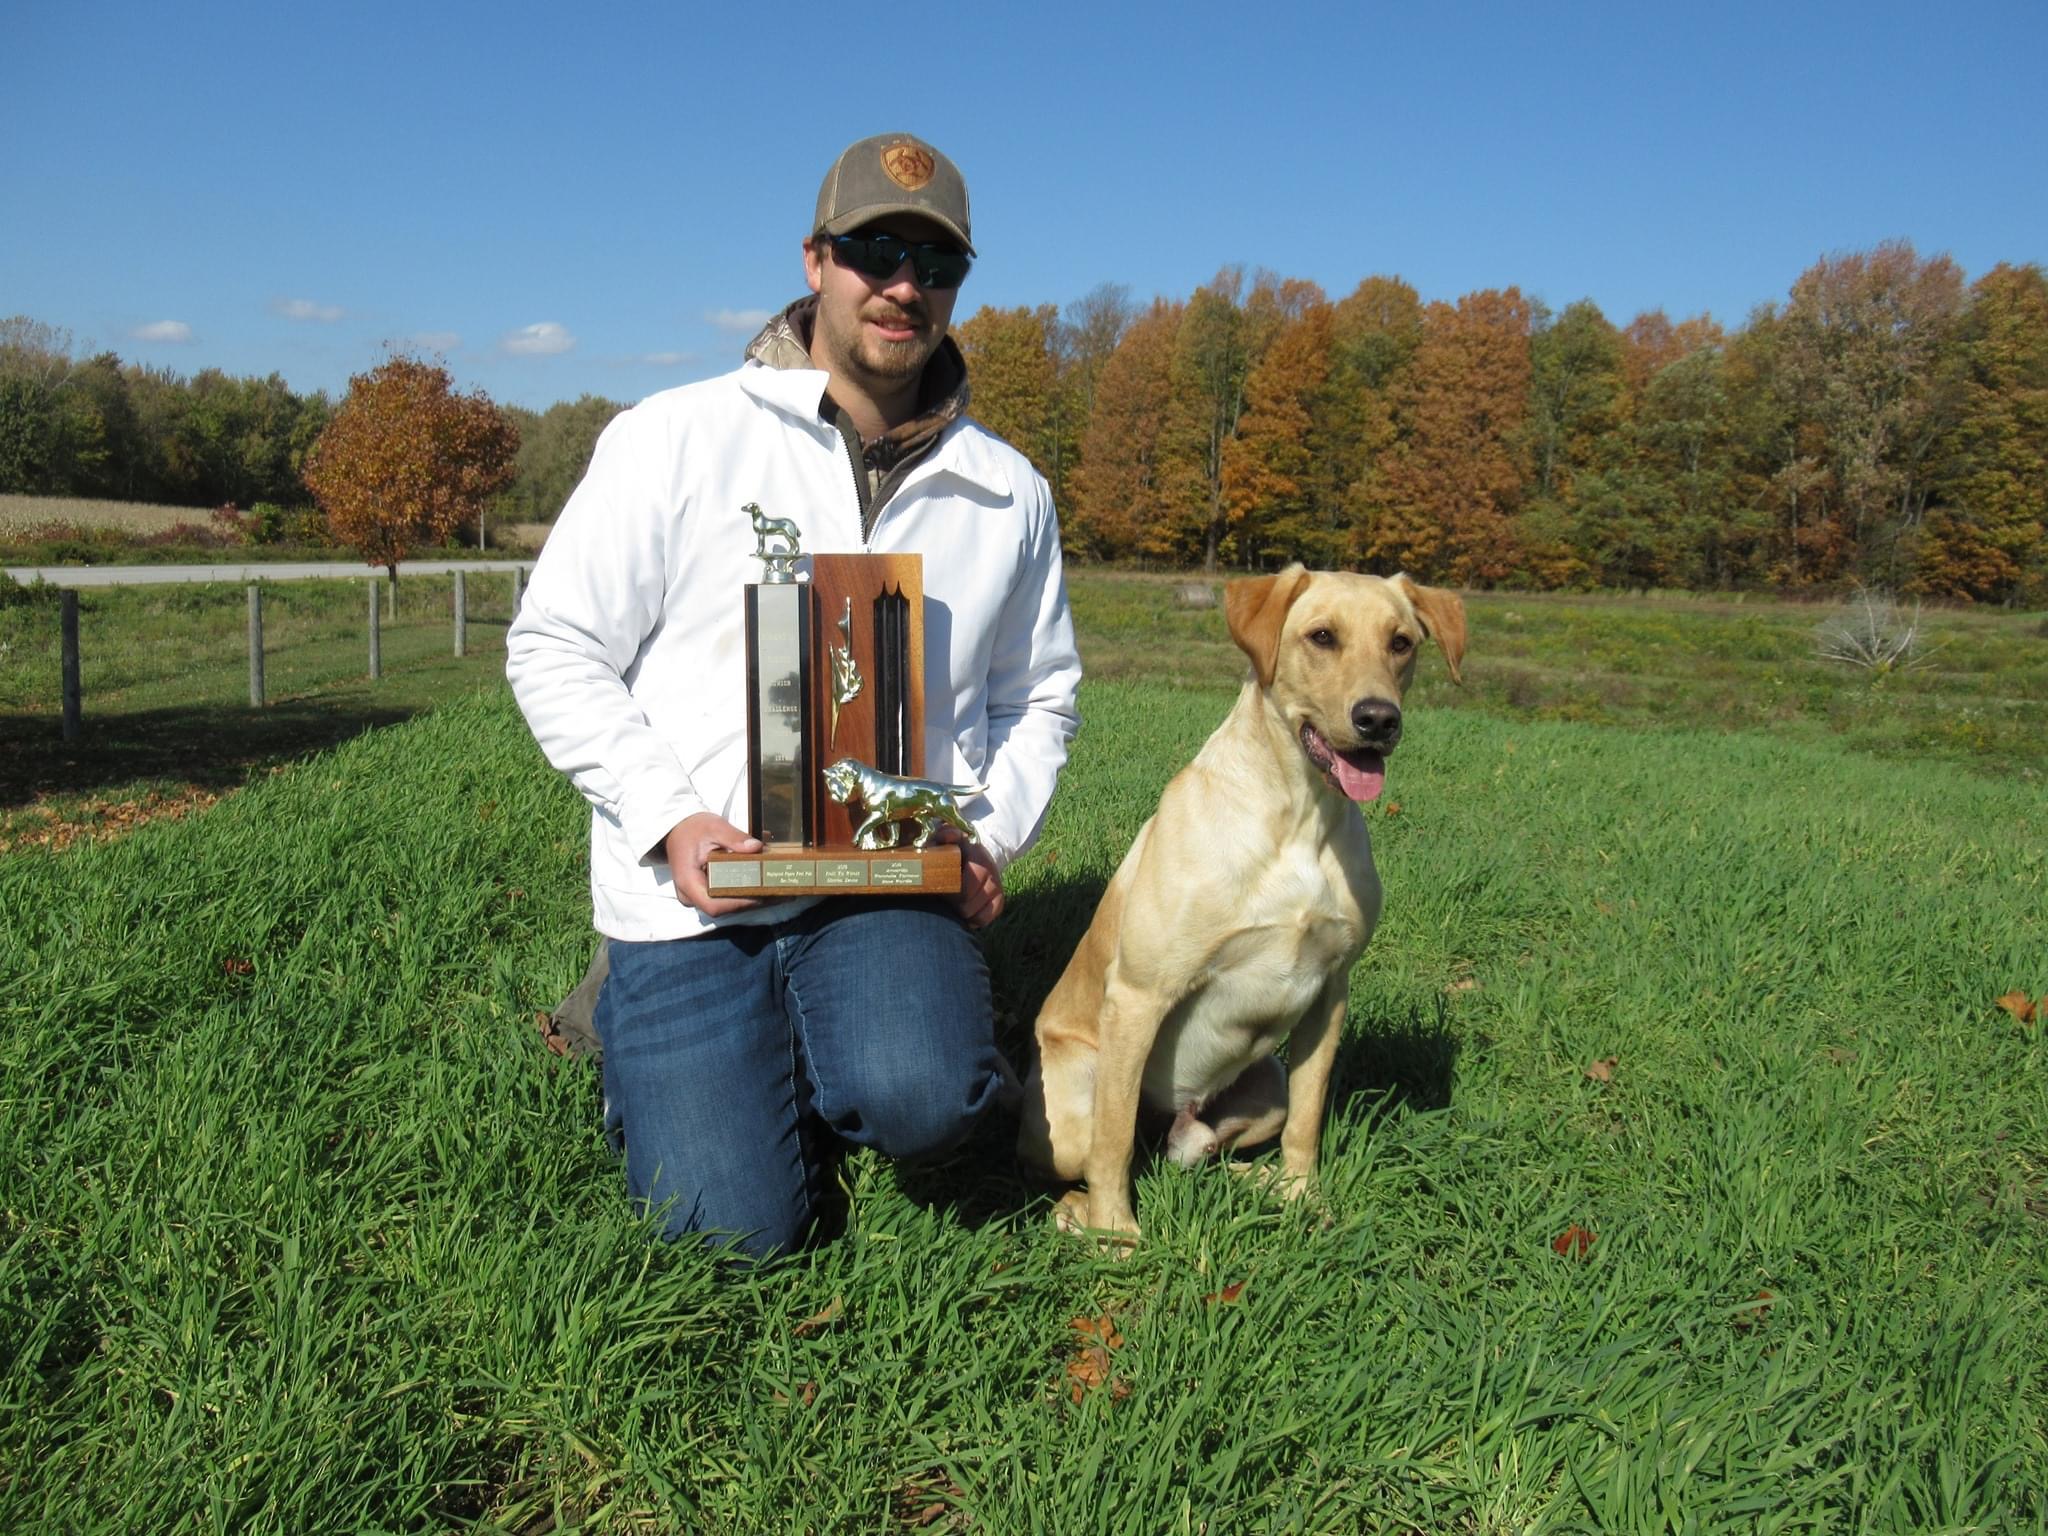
point(879, 256)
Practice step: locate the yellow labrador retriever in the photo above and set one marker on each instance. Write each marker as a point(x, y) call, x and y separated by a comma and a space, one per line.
point(1234, 921)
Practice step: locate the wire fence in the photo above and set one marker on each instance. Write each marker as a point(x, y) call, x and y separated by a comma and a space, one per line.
point(73, 655)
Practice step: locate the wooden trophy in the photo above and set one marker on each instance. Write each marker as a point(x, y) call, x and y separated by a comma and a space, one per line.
point(835, 731)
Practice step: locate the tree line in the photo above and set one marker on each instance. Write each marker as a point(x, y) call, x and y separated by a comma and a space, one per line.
point(1886, 424)
point(95, 426)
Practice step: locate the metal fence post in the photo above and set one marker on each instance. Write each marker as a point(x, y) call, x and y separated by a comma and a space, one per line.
point(67, 609)
point(461, 614)
point(518, 587)
point(376, 635)
point(255, 646)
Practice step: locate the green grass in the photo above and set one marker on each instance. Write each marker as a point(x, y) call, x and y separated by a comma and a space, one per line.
point(1978, 695)
point(302, 1230)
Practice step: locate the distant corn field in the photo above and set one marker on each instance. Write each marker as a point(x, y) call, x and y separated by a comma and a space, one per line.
point(19, 514)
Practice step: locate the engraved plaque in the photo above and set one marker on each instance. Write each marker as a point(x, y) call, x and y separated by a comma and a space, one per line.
point(724, 874)
point(897, 873)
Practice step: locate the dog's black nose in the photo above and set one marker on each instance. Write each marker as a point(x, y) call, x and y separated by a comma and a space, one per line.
point(1377, 721)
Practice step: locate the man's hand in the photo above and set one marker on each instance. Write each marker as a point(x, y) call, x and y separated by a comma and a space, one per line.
point(980, 898)
point(688, 841)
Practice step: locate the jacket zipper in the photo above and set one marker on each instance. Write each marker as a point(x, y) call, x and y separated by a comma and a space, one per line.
point(860, 479)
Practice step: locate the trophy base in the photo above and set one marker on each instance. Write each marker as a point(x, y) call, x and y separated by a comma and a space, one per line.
point(792, 869)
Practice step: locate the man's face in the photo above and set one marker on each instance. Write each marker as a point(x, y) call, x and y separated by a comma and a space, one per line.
point(878, 332)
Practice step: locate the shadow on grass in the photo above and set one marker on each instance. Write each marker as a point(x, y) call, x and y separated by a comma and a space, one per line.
point(214, 746)
point(1407, 1062)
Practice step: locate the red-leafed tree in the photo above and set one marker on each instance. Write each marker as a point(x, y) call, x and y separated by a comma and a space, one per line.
point(406, 461)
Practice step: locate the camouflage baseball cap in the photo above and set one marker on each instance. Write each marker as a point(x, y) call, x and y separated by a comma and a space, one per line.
point(892, 173)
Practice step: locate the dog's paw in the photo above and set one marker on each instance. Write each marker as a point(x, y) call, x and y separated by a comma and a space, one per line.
point(1116, 1235)
point(1275, 1179)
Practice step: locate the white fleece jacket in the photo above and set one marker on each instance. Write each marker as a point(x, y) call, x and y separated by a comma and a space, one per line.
point(627, 653)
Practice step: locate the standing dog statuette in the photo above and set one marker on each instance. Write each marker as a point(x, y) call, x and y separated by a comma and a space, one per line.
point(890, 801)
point(780, 561)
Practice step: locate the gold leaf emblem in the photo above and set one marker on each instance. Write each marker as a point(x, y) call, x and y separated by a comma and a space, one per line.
point(909, 165)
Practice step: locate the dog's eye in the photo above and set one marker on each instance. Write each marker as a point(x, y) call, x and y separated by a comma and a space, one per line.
point(1400, 645)
point(1325, 638)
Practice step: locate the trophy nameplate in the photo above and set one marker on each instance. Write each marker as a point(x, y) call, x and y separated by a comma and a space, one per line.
point(835, 731)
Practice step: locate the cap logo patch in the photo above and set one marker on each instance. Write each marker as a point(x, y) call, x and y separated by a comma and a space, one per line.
point(909, 165)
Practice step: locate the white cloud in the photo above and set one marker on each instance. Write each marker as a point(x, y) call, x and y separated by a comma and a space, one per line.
point(436, 341)
point(306, 309)
point(543, 340)
point(174, 331)
point(737, 320)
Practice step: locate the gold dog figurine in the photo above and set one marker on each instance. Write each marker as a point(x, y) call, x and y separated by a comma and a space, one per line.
point(890, 801)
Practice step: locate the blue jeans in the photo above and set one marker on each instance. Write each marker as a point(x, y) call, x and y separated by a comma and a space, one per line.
point(733, 1059)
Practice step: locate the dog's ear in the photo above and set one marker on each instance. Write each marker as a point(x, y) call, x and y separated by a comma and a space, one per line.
point(1255, 609)
point(1442, 612)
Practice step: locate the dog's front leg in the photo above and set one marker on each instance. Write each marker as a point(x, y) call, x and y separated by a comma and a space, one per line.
point(1311, 1053)
point(1124, 1038)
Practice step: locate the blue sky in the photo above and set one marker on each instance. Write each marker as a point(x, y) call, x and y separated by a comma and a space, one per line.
point(605, 199)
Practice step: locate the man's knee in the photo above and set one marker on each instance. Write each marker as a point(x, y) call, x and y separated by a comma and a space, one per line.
point(919, 1118)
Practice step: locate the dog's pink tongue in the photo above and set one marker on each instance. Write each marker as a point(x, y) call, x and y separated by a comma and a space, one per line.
point(1361, 775)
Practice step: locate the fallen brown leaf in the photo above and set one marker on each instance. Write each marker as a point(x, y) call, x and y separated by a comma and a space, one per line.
point(1091, 1366)
point(235, 965)
point(1602, 1071)
point(1754, 1312)
point(921, 1500)
point(2019, 1005)
point(1103, 1328)
point(1228, 1294)
point(1573, 1241)
point(806, 1393)
point(824, 1317)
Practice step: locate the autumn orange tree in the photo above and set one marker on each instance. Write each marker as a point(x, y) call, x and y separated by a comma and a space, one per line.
point(1449, 488)
point(1129, 481)
point(1987, 538)
point(1010, 377)
point(406, 460)
point(1270, 485)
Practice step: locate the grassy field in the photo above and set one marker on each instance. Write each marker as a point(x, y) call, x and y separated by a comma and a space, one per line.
point(1683, 1172)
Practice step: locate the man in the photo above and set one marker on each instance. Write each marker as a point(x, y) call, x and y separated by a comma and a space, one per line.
point(743, 1040)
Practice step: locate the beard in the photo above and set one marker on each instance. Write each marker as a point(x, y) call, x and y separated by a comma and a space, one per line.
point(875, 360)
